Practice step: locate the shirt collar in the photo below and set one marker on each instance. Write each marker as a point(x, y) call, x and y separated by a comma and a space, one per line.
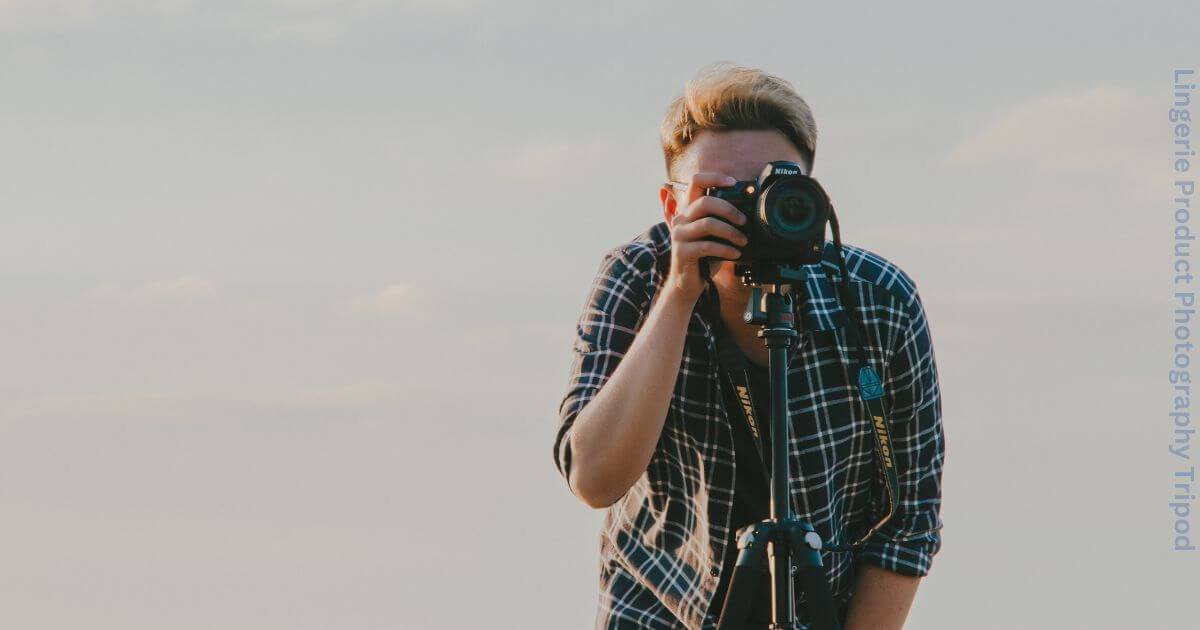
point(819, 308)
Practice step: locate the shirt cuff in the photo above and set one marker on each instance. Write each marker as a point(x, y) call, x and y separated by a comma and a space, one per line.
point(905, 554)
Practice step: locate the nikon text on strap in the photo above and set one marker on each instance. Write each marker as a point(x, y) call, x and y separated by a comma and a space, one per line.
point(737, 374)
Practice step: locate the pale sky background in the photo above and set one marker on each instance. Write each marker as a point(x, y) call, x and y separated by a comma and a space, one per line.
point(287, 290)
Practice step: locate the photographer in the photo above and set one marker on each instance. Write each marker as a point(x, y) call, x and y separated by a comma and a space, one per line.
point(651, 432)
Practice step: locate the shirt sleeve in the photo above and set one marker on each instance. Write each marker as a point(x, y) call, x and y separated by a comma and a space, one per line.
point(615, 308)
point(908, 542)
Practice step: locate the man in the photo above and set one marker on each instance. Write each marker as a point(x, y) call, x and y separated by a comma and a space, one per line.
point(649, 431)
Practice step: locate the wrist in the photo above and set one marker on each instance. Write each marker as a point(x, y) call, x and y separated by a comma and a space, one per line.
point(676, 296)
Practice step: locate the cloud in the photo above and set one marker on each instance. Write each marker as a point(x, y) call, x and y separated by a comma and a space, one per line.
point(296, 20)
point(79, 8)
point(337, 397)
point(394, 300)
point(341, 5)
point(310, 32)
point(184, 289)
point(201, 404)
point(92, 404)
point(1103, 128)
point(545, 158)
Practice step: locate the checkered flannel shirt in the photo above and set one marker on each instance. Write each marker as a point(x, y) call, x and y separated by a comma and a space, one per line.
point(662, 543)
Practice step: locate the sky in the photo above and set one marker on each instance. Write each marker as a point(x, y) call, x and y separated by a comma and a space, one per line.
point(288, 288)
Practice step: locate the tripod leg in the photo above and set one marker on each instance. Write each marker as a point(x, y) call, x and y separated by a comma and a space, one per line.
point(751, 561)
point(806, 553)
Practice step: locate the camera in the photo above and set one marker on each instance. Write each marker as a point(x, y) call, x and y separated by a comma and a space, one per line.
point(786, 213)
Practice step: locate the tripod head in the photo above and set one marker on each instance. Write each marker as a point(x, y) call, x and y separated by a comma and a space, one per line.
point(758, 274)
point(772, 311)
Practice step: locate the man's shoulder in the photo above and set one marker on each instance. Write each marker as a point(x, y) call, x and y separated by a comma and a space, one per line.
point(644, 254)
point(870, 267)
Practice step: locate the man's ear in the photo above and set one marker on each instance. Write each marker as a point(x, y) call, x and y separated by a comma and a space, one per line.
point(666, 196)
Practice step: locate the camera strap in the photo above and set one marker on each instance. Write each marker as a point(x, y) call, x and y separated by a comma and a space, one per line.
point(737, 374)
point(870, 389)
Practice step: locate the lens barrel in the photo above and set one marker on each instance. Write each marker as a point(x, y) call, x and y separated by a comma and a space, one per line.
point(793, 209)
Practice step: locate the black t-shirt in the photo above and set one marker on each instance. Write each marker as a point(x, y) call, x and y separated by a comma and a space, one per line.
point(751, 493)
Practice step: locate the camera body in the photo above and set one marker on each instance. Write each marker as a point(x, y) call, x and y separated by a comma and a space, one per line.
point(786, 214)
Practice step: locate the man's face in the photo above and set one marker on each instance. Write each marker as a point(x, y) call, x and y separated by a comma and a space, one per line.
point(739, 154)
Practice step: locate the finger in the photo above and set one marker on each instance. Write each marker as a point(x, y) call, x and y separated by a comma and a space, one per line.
point(694, 250)
point(678, 221)
point(712, 206)
point(710, 226)
point(707, 179)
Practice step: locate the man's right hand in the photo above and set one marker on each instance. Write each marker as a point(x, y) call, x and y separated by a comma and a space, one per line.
point(614, 436)
point(699, 220)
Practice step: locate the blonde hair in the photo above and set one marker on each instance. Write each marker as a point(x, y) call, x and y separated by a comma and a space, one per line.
point(728, 97)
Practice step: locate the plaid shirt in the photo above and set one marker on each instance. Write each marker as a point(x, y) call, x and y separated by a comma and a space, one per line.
point(662, 543)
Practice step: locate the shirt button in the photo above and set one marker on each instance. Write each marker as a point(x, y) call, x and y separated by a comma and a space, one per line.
point(714, 571)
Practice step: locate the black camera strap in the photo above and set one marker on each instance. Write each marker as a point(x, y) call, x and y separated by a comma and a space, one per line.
point(870, 389)
point(737, 374)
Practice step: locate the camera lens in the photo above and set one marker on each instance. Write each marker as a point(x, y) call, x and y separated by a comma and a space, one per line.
point(794, 211)
point(791, 212)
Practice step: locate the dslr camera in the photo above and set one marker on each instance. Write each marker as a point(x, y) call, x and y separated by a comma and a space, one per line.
point(786, 213)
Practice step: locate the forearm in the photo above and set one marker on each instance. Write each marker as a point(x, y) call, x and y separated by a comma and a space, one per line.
point(881, 599)
point(614, 436)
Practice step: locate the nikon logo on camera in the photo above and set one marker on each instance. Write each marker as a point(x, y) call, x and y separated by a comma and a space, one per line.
point(748, 408)
point(884, 446)
point(786, 171)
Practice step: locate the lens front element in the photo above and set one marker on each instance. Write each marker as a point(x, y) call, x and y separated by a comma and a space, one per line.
point(790, 211)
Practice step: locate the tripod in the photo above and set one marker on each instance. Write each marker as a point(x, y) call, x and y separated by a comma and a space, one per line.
point(794, 546)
